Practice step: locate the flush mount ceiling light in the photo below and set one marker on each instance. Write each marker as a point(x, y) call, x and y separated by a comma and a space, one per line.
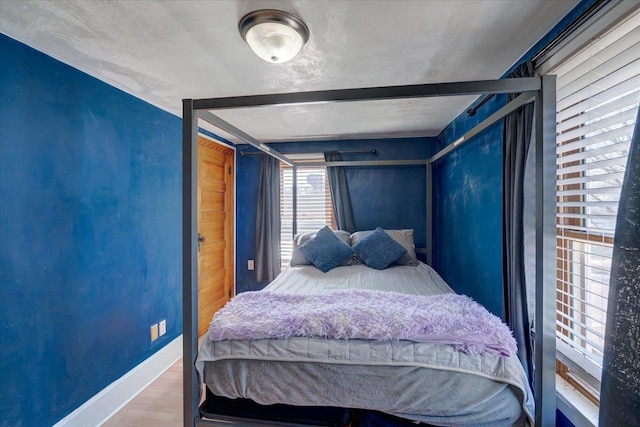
point(274, 35)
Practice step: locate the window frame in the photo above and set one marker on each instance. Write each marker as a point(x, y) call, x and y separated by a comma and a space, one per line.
point(573, 366)
point(287, 233)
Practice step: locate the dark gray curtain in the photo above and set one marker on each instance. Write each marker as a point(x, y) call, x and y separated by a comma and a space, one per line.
point(620, 390)
point(267, 250)
point(340, 197)
point(518, 128)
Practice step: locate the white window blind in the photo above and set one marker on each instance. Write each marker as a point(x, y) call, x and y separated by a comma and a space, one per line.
point(598, 92)
point(314, 208)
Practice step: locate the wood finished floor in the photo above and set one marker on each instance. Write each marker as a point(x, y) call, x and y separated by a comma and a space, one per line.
point(158, 405)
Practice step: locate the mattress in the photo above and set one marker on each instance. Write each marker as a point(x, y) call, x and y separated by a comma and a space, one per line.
point(422, 382)
point(308, 280)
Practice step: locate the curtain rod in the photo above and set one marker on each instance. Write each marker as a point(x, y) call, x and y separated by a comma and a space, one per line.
point(544, 51)
point(472, 111)
point(371, 151)
point(585, 16)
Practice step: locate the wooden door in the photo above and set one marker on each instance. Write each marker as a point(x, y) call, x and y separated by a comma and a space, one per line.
point(215, 229)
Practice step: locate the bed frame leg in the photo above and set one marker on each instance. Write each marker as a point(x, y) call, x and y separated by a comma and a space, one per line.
point(545, 320)
point(189, 264)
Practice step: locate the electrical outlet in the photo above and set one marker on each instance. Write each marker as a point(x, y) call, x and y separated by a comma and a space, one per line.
point(162, 327)
point(154, 332)
point(250, 265)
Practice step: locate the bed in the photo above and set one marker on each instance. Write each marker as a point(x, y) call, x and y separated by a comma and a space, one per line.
point(426, 382)
point(541, 91)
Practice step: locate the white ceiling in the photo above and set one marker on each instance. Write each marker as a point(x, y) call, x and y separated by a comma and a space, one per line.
point(163, 51)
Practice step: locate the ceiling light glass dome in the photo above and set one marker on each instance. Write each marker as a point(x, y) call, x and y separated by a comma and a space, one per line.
point(273, 35)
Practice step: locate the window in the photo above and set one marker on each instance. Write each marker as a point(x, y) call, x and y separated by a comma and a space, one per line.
point(314, 208)
point(598, 92)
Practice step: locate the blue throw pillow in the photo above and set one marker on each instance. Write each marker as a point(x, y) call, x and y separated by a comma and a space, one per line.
point(379, 250)
point(326, 250)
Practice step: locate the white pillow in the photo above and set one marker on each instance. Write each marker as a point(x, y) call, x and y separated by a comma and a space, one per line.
point(297, 258)
point(404, 237)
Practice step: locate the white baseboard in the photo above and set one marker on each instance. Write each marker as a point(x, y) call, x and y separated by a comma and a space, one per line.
point(102, 406)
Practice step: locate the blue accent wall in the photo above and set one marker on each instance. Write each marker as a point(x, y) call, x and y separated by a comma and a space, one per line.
point(468, 211)
point(90, 208)
point(387, 197)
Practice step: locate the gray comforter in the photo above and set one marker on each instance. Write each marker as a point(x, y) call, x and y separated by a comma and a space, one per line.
point(423, 382)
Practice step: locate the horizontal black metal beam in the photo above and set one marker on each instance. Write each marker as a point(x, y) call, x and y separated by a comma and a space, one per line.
point(253, 153)
point(373, 93)
point(522, 99)
point(228, 127)
point(364, 163)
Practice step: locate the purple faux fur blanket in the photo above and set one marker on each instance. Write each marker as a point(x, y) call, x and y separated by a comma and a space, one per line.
point(451, 319)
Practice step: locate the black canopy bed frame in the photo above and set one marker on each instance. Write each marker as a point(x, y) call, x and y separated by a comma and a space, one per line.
point(540, 90)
